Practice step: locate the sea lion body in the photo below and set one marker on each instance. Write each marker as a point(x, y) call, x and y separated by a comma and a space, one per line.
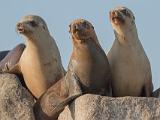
point(40, 63)
point(44, 67)
point(89, 64)
point(129, 64)
point(88, 60)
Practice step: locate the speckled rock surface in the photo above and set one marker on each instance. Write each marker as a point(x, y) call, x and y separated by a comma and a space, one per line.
point(15, 101)
point(95, 107)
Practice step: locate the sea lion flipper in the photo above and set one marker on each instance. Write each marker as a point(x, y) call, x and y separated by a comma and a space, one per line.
point(59, 95)
point(11, 60)
point(3, 54)
point(73, 84)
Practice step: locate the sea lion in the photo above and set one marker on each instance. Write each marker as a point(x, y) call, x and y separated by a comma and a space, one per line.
point(88, 60)
point(129, 64)
point(88, 72)
point(40, 62)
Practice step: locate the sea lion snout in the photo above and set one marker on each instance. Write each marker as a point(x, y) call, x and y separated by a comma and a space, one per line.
point(24, 28)
point(78, 27)
point(20, 28)
point(120, 15)
point(75, 28)
point(117, 16)
point(82, 30)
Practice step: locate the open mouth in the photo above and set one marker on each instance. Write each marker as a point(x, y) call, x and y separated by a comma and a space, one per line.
point(116, 17)
point(20, 28)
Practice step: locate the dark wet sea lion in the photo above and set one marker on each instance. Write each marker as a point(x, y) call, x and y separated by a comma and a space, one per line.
point(88, 60)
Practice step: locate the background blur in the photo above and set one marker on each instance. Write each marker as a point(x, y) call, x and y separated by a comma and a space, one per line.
point(59, 13)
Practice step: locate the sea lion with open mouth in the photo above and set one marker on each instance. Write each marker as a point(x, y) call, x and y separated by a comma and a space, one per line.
point(130, 66)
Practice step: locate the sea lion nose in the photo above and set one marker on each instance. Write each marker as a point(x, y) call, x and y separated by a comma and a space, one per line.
point(114, 13)
point(19, 25)
point(77, 27)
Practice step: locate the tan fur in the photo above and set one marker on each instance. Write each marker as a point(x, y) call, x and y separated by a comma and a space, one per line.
point(88, 60)
point(129, 64)
point(40, 62)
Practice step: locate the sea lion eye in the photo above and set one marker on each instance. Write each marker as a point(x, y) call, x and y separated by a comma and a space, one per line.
point(33, 23)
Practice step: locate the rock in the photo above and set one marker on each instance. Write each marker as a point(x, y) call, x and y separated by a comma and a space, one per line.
point(157, 93)
point(95, 107)
point(15, 101)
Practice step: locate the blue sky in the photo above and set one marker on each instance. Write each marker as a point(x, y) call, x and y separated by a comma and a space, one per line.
point(59, 13)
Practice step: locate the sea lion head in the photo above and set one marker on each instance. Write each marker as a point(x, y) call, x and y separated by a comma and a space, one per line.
point(32, 25)
point(81, 30)
point(122, 19)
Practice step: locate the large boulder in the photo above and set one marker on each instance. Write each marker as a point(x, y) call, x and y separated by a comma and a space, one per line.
point(16, 103)
point(95, 107)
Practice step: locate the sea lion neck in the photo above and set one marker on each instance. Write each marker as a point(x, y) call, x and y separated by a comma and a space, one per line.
point(86, 49)
point(127, 35)
point(38, 39)
point(41, 47)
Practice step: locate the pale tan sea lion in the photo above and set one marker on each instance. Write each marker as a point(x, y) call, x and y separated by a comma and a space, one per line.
point(88, 72)
point(129, 64)
point(40, 62)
